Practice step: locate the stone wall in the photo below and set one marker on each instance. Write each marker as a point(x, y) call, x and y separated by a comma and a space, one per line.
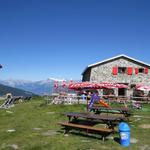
point(103, 72)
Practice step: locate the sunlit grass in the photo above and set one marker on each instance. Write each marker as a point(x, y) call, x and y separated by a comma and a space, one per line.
point(35, 128)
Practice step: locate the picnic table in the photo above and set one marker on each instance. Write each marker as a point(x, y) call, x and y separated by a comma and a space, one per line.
point(123, 110)
point(110, 121)
point(75, 122)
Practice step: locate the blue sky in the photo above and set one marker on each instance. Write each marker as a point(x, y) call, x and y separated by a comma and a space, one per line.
point(59, 38)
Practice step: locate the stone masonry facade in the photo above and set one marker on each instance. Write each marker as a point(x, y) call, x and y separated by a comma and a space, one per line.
point(103, 73)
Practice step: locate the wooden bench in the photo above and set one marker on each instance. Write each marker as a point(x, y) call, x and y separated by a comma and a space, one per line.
point(125, 111)
point(89, 129)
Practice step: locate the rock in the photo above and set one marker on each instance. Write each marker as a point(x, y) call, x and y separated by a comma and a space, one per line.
point(37, 129)
point(11, 130)
point(50, 113)
point(10, 112)
point(49, 133)
point(85, 141)
point(145, 126)
point(66, 135)
point(133, 140)
point(14, 146)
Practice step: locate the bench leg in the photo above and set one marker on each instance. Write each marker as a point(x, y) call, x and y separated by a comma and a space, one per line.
point(110, 125)
point(104, 135)
point(66, 130)
point(103, 138)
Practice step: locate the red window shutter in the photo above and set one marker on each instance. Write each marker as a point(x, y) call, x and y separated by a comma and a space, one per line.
point(136, 70)
point(115, 70)
point(129, 71)
point(146, 70)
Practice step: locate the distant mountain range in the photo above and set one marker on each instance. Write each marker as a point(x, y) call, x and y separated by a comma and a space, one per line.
point(37, 87)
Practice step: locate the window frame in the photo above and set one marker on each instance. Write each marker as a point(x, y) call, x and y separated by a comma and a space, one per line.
point(141, 70)
point(122, 70)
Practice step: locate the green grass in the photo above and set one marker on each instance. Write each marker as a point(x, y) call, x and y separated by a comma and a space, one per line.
point(36, 128)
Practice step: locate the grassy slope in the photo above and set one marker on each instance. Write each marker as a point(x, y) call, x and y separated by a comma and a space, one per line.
point(35, 114)
point(14, 91)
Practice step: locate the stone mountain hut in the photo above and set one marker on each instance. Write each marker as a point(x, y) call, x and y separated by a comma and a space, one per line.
point(119, 69)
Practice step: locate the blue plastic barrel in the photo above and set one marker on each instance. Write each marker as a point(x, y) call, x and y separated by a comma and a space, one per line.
point(124, 131)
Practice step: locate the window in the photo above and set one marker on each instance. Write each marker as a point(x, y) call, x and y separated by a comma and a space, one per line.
point(141, 70)
point(122, 70)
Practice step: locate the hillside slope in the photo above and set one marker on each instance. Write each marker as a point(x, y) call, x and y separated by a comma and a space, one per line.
point(15, 91)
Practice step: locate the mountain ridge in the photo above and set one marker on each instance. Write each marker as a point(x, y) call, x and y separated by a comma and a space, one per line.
point(40, 87)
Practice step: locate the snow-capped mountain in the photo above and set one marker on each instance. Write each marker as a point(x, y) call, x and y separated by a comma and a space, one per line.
point(14, 83)
point(37, 87)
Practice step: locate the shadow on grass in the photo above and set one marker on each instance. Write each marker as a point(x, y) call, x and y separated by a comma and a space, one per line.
point(91, 136)
point(117, 140)
point(84, 134)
